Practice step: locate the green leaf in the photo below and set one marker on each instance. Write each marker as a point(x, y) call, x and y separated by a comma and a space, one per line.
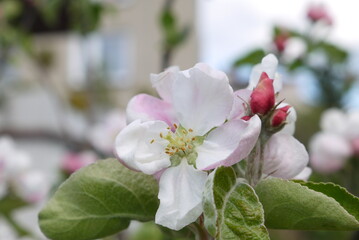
point(231, 208)
point(99, 200)
point(334, 53)
point(252, 58)
point(307, 206)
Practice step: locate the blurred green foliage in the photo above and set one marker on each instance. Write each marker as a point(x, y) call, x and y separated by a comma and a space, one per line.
point(173, 34)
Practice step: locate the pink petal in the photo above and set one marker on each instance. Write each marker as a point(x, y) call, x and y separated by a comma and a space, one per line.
point(240, 104)
point(147, 108)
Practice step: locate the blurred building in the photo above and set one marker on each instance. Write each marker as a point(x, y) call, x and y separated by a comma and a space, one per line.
point(123, 52)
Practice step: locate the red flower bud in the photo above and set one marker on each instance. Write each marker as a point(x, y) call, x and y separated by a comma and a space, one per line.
point(319, 13)
point(263, 97)
point(279, 116)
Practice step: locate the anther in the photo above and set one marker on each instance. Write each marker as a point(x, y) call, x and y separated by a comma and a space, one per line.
point(152, 141)
point(175, 125)
point(161, 135)
point(191, 130)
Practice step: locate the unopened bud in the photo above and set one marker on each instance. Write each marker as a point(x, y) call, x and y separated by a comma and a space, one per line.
point(263, 97)
point(279, 116)
point(281, 39)
point(319, 13)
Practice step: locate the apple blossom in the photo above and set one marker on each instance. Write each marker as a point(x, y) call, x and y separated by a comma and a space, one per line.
point(338, 140)
point(182, 135)
point(16, 174)
point(328, 152)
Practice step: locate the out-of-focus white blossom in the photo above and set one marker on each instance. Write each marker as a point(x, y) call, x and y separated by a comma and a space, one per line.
point(338, 140)
point(31, 186)
point(103, 134)
point(17, 176)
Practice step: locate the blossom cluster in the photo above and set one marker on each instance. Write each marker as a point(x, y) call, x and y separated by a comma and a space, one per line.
point(339, 139)
point(17, 176)
point(200, 123)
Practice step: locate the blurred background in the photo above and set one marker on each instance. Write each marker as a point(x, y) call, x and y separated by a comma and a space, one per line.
point(68, 69)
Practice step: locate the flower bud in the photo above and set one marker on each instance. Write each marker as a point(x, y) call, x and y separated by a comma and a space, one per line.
point(280, 40)
point(263, 97)
point(319, 13)
point(279, 116)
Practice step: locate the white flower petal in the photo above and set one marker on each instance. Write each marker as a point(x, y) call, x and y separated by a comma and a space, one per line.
point(328, 152)
point(268, 65)
point(228, 144)
point(241, 106)
point(180, 194)
point(136, 148)
point(163, 82)
point(295, 48)
point(333, 120)
point(201, 101)
point(147, 108)
point(284, 156)
point(304, 175)
point(214, 73)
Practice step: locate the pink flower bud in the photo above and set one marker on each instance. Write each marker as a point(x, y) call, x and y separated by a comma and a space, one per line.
point(279, 116)
point(263, 97)
point(319, 13)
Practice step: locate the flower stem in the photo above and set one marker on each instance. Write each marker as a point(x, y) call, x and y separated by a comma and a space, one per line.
point(199, 230)
point(255, 160)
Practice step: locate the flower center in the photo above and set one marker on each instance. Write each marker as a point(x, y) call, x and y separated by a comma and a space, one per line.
point(182, 145)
